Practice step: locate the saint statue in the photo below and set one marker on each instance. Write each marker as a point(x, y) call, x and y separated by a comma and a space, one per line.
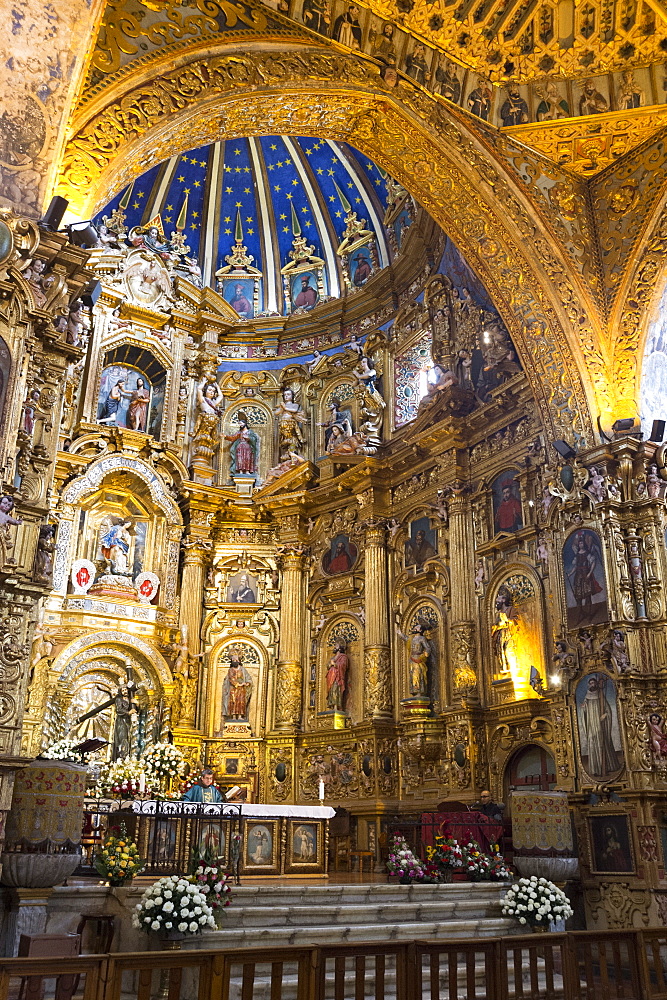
point(244, 448)
point(421, 659)
point(504, 629)
point(205, 438)
point(137, 411)
point(236, 689)
point(290, 420)
point(116, 542)
point(124, 710)
point(337, 676)
point(339, 425)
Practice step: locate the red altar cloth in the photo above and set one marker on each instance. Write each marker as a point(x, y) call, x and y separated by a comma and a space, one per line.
point(461, 826)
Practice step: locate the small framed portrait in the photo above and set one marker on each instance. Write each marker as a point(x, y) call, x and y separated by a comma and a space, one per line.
point(261, 851)
point(242, 589)
point(240, 293)
point(340, 557)
point(161, 844)
point(303, 290)
point(212, 837)
point(361, 266)
point(611, 844)
point(422, 544)
point(507, 513)
point(304, 846)
point(231, 765)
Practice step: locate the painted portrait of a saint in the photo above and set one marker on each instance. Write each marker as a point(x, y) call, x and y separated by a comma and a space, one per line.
point(242, 589)
point(610, 843)
point(507, 515)
point(304, 291)
point(361, 266)
point(259, 844)
point(600, 743)
point(422, 544)
point(340, 557)
point(585, 584)
point(239, 292)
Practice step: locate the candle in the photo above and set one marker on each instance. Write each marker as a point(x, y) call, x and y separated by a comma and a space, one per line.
point(321, 790)
point(142, 783)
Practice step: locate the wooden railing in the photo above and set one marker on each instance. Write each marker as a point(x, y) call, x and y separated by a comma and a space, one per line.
point(584, 965)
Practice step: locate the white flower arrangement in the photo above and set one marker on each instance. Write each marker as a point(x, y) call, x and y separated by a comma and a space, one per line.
point(164, 761)
point(536, 902)
point(173, 905)
point(128, 777)
point(62, 750)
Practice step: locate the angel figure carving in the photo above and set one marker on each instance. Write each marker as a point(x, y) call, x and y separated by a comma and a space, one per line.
point(147, 280)
point(290, 424)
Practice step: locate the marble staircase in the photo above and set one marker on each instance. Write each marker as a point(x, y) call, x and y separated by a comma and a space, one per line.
point(274, 916)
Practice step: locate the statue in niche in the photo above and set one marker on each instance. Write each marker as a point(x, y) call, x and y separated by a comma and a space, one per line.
point(115, 542)
point(421, 656)
point(46, 545)
point(137, 410)
point(244, 448)
point(504, 628)
point(657, 733)
point(290, 420)
point(205, 436)
point(236, 689)
point(339, 425)
point(336, 679)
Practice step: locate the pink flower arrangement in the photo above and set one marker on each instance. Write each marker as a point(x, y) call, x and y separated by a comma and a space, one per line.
point(213, 884)
point(402, 861)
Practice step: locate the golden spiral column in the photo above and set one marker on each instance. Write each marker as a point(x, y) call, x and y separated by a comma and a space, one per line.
point(289, 677)
point(462, 632)
point(190, 618)
point(377, 656)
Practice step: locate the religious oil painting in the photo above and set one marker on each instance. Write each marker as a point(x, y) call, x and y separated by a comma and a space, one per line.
point(242, 588)
point(340, 557)
point(304, 846)
point(507, 516)
point(125, 399)
point(611, 847)
point(600, 744)
point(361, 266)
point(162, 841)
point(213, 839)
point(585, 583)
point(261, 846)
point(422, 543)
point(303, 290)
point(239, 292)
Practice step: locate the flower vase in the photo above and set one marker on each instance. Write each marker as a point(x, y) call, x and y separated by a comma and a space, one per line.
point(446, 875)
point(540, 928)
point(171, 941)
point(405, 880)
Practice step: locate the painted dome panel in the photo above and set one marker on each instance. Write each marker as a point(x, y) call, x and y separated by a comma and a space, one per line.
point(263, 194)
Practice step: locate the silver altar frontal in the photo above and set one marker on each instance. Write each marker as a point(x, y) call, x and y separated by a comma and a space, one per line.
point(249, 839)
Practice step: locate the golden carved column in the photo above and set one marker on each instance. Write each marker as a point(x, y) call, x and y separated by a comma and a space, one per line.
point(462, 632)
point(289, 677)
point(190, 617)
point(377, 656)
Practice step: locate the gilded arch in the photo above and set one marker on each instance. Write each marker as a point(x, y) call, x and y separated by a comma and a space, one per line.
point(424, 143)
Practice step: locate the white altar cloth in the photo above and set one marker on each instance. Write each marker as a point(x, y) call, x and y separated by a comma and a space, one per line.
point(249, 810)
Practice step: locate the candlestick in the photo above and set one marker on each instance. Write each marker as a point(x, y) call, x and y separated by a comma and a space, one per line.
point(142, 783)
point(321, 790)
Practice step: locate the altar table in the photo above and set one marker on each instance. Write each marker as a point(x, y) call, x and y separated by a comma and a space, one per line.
point(247, 838)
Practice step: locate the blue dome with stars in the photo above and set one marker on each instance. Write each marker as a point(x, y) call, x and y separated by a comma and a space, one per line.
point(277, 224)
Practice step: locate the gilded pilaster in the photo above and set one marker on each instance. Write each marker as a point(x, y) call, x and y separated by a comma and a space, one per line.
point(463, 638)
point(289, 678)
point(378, 695)
point(190, 617)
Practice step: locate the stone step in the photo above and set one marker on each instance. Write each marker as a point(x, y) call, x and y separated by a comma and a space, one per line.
point(334, 913)
point(280, 937)
point(332, 895)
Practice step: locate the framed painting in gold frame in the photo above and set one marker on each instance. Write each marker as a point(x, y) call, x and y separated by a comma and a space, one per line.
point(304, 850)
point(210, 834)
point(261, 847)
